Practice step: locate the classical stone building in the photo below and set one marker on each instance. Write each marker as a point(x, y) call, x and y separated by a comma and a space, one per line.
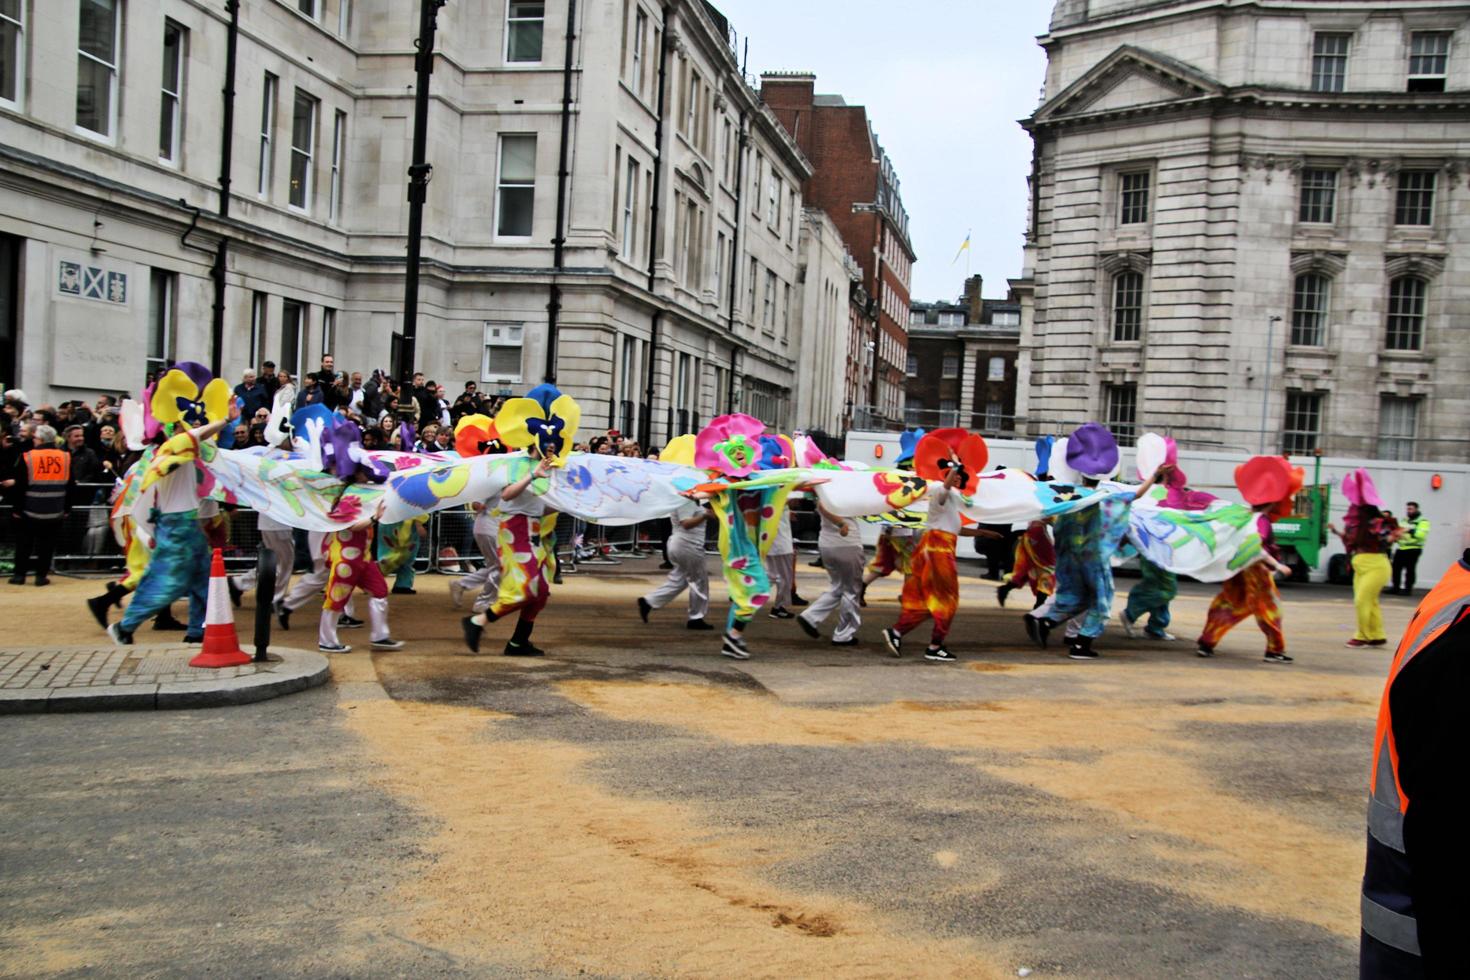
point(667, 257)
point(853, 180)
point(962, 362)
point(1249, 225)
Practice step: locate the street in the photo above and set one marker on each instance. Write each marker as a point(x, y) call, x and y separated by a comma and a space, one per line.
point(637, 805)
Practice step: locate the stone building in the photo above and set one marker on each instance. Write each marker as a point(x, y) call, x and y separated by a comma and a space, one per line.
point(962, 362)
point(855, 183)
point(667, 258)
point(1249, 225)
point(832, 317)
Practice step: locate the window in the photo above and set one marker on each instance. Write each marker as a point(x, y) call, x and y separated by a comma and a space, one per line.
point(339, 150)
point(773, 200)
point(997, 370)
point(790, 218)
point(720, 257)
point(768, 308)
point(502, 361)
point(344, 17)
point(1122, 408)
point(311, 8)
point(1309, 310)
point(951, 319)
point(169, 130)
point(99, 23)
point(630, 205)
point(517, 187)
point(303, 145)
point(1303, 422)
point(1398, 427)
point(293, 336)
point(524, 24)
point(1414, 201)
point(758, 176)
point(913, 365)
point(1429, 55)
point(329, 330)
point(1329, 62)
point(951, 366)
point(948, 413)
point(12, 50)
point(267, 128)
point(916, 318)
point(1128, 306)
point(728, 151)
point(1005, 318)
point(160, 320)
point(1406, 313)
point(1133, 209)
point(258, 308)
point(994, 416)
point(1318, 197)
point(785, 312)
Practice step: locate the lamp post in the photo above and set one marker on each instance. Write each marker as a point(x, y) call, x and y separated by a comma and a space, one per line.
point(418, 182)
point(1266, 379)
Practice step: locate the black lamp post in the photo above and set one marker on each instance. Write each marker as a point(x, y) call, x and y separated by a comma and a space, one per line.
point(419, 171)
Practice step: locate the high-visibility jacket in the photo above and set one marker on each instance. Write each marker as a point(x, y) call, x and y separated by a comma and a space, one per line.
point(48, 471)
point(1388, 903)
point(1417, 532)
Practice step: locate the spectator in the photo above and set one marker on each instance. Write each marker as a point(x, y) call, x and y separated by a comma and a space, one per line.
point(111, 453)
point(356, 395)
point(85, 466)
point(283, 378)
point(427, 439)
point(252, 395)
point(427, 401)
point(269, 379)
point(374, 393)
point(311, 392)
point(44, 483)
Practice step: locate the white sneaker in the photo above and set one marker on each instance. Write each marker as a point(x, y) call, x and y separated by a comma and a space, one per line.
point(387, 643)
point(1164, 637)
point(1127, 626)
point(456, 593)
point(331, 648)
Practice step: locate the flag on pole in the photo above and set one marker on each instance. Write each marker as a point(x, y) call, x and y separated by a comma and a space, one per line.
point(964, 247)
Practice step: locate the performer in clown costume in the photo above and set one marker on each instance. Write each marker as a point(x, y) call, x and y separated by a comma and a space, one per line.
point(686, 550)
point(544, 423)
point(193, 406)
point(1035, 563)
point(475, 435)
point(895, 548)
point(955, 458)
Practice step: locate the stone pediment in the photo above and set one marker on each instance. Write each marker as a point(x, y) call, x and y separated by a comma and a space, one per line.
point(1128, 78)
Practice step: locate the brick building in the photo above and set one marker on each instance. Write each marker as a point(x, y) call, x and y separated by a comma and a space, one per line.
point(854, 182)
point(961, 364)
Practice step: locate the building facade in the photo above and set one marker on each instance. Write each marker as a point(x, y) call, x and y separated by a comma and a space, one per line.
point(855, 183)
point(665, 263)
point(1249, 224)
point(830, 280)
point(961, 366)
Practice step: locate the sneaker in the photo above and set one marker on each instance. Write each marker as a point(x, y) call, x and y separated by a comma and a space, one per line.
point(846, 643)
point(781, 612)
point(1029, 622)
point(347, 622)
point(1081, 653)
point(42, 580)
point(191, 638)
point(1038, 629)
point(120, 636)
point(283, 615)
point(235, 592)
point(166, 622)
point(644, 608)
point(1001, 593)
point(697, 624)
point(334, 648)
point(665, 566)
point(1200, 650)
point(523, 650)
point(99, 606)
point(1278, 658)
point(387, 643)
point(798, 601)
point(1371, 643)
point(893, 641)
point(1355, 642)
point(472, 631)
point(807, 628)
point(403, 590)
point(17, 580)
point(1127, 625)
point(456, 593)
point(1163, 635)
point(734, 647)
point(940, 656)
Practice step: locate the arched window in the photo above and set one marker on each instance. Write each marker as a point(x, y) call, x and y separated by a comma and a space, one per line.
point(1309, 310)
point(1128, 306)
point(1406, 313)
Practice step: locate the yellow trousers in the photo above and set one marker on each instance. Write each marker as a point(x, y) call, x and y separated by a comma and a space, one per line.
point(1370, 575)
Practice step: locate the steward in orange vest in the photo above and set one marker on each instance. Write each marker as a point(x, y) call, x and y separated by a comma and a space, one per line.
point(43, 479)
point(1416, 886)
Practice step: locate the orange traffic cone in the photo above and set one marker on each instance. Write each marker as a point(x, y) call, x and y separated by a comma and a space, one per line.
point(221, 645)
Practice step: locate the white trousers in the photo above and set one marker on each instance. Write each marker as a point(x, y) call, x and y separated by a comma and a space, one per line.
point(314, 582)
point(326, 633)
point(782, 572)
point(487, 579)
point(690, 572)
point(844, 567)
point(284, 547)
point(1043, 611)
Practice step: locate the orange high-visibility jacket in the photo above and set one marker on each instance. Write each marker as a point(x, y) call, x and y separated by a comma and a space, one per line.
point(47, 473)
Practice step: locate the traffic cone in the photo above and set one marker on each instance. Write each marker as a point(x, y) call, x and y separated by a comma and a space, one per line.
point(221, 645)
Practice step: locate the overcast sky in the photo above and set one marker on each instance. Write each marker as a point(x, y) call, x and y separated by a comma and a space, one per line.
point(944, 82)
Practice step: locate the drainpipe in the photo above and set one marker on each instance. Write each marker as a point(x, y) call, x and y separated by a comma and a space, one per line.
point(645, 424)
point(227, 147)
point(735, 254)
point(558, 244)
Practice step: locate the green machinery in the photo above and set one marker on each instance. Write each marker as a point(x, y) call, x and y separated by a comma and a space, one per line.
point(1302, 535)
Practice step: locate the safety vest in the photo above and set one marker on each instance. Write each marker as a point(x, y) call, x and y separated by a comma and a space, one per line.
point(47, 473)
point(1388, 905)
point(1418, 533)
